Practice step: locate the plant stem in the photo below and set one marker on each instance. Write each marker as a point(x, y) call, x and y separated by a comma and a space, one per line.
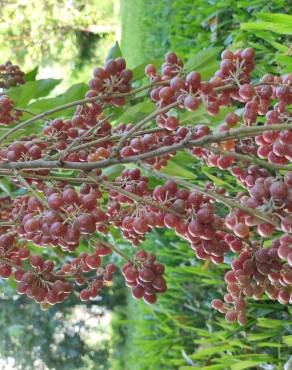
point(213, 138)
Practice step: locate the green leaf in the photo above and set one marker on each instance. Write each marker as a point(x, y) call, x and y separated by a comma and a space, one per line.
point(261, 336)
point(284, 60)
point(216, 180)
point(248, 364)
point(31, 75)
point(137, 112)
point(5, 185)
point(115, 52)
point(282, 48)
point(175, 169)
point(75, 92)
point(12, 283)
point(210, 367)
point(271, 323)
point(201, 116)
point(23, 94)
point(276, 18)
point(268, 344)
point(184, 158)
point(201, 61)
point(209, 351)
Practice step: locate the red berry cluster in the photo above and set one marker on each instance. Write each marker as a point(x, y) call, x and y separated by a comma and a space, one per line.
point(23, 150)
point(10, 75)
point(255, 272)
point(275, 146)
point(190, 91)
point(190, 214)
point(236, 65)
point(267, 193)
point(113, 78)
point(60, 214)
point(39, 281)
point(8, 114)
point(87, 262)
point(68, 217)
point(284, 245)
point(144, 276)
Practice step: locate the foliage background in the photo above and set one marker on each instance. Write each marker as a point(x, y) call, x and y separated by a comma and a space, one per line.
point(181, 331)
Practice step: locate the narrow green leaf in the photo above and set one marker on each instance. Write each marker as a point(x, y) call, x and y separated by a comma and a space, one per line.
point(245, 364)
point(271, 323)
point(277, 27)
point(276, 18)
point(175, 169)
point(260, 336)
point(75, 92)
point(216, 180)
point(113, 171)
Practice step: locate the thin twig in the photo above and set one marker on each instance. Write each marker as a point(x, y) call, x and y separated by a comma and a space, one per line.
point(142, 123)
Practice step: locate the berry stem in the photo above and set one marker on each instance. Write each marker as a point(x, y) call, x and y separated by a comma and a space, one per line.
point(118, 251)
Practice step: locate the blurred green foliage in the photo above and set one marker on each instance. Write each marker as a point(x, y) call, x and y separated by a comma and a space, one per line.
point(150, 28)
point(48, 340)
point(65, 37)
